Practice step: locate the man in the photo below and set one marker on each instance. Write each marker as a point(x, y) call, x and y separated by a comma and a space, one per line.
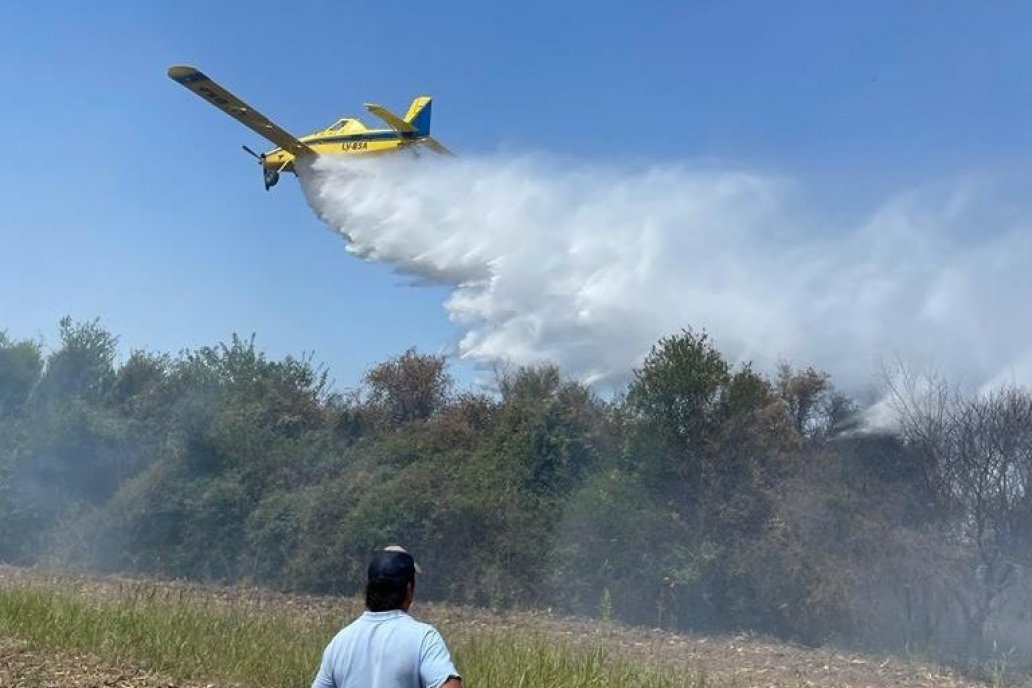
point(385, 647)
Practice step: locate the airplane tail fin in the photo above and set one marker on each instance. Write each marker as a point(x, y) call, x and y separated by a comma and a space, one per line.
point(418, 114)
point(415, 127)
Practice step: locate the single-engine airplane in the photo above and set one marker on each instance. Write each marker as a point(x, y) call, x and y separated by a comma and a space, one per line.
point(346, 136)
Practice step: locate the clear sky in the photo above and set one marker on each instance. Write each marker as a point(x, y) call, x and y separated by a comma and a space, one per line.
point(124, 197)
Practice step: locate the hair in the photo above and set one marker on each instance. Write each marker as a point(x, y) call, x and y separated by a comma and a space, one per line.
point(385, 594)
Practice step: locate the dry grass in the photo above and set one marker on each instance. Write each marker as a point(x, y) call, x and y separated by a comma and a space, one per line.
point(22, 666)
point(258, 637)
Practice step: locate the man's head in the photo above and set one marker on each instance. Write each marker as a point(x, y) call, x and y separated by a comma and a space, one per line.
point(392, 580)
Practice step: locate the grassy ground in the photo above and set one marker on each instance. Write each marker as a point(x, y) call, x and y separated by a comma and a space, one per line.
point(195, 635)
point(186, 638)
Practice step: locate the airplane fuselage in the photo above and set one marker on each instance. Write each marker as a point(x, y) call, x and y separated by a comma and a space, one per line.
point(370, 142)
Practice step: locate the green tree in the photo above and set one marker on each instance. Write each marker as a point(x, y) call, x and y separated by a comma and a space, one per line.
point(21, 364)
point(84, 365)
point(709, 442)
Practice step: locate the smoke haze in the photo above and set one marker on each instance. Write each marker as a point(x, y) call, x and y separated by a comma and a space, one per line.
point(587, 266)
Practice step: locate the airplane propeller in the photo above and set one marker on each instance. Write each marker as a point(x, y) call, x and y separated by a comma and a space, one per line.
point(269, 177)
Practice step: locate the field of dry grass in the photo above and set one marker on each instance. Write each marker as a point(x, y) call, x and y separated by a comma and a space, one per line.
point(476, 635)
point(22, 666)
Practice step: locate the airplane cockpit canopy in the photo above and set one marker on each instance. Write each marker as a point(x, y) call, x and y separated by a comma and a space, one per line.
point(345, 126)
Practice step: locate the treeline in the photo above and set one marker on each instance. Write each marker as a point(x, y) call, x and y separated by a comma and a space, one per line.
point(707, 497)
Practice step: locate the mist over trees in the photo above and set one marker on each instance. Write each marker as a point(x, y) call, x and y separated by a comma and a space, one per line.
point(707, 497)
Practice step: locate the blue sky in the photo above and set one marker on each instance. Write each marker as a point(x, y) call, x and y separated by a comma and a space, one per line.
point(126, 198)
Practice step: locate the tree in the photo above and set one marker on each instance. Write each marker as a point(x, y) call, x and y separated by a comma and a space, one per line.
point(815, 409)
point(681, 389)
point(21, 364)
point(708, 441)
point(409, 387)
point(136, 386)
point(547, 427)
point(977, 459)
point(698, 423)
point(84, 365)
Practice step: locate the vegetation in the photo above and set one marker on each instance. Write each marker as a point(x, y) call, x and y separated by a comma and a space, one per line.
point(180, 637)
point(184, 636)
point(708, 497)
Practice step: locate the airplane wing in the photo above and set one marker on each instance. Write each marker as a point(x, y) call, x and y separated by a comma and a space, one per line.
point(199, 83)
point(396, 123)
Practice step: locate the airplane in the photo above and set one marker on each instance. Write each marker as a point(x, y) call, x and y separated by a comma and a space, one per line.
point(346, 136)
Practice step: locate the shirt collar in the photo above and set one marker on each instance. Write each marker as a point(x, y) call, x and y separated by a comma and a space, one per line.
point(382, 616)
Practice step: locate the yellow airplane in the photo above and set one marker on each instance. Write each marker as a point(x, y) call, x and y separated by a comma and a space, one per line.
point(346, 136)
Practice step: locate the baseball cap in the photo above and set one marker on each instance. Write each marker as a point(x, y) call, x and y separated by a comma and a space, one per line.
point(393, 562)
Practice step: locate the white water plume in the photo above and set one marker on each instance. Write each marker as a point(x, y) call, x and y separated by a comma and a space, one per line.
point(588, 266)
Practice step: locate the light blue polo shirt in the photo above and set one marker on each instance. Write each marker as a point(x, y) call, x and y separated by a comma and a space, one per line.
point(385, 650)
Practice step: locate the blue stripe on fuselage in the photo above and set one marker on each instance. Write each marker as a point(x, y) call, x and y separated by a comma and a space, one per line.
point(365, 136)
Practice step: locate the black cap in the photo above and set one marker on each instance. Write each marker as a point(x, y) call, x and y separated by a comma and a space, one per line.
point(393, 563)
